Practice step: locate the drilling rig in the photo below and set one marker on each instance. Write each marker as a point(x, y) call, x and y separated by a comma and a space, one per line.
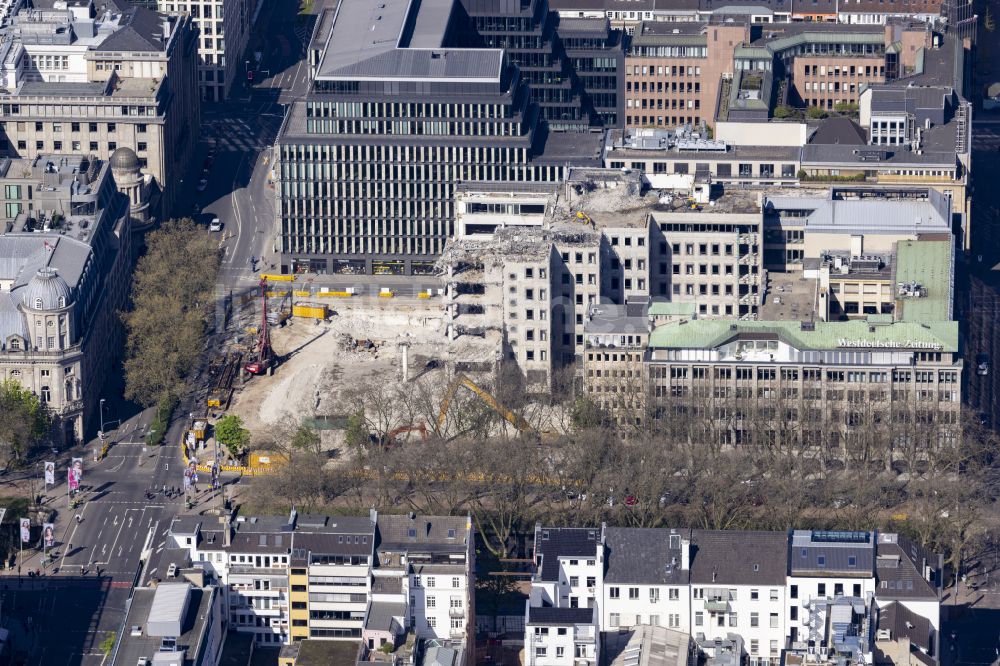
point(261, 358)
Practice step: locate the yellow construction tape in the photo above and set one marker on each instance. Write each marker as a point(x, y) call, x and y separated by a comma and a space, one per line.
point(207, 469)
point(302, 293)
point(275, 294)
point(337, 294)
point(277, 278)
point(386, 294)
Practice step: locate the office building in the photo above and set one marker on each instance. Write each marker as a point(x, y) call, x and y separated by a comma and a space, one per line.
point(673, 71)
point(525, 287)
point(397, 115)
point(87, 80)
point(628, 17)
point(762, 598)
point(223, 30)
point(572, 66)
point(65, 260)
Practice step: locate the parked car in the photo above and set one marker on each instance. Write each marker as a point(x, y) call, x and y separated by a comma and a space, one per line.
point(215, 224)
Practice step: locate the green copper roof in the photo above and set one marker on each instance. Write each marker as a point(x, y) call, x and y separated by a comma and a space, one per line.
point(827, 335)
point(928, 263)
point(669, 309)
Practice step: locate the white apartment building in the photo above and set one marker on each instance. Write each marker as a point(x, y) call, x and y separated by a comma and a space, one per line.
point(563, 609)
point(376, 579)
point(825, 566)
point(431, 562)
point(648, 579)
point(777, 595)
point(224, 29)
point(738, 586)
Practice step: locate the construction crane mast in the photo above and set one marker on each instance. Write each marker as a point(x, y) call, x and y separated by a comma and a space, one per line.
point(262, 356)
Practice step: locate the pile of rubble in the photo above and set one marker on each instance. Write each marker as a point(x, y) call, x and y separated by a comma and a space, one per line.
point(349, 343)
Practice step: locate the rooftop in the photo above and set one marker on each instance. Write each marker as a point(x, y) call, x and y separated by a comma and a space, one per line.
point(609, 318)
point(132, 648)
point(551, 543)
point(928, 264)
point(904, 623)
point(860, 210)
point(823, 553)
point(819, 336)
point(647, 645)
point(738, 557)
point(899, 566)
point(645, 556)
point(401, 40)
point(430, 533)
point(553, 616)
point(312, 652)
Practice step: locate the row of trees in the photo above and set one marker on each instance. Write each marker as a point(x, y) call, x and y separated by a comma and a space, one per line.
point(665, 473)
point(172, 297)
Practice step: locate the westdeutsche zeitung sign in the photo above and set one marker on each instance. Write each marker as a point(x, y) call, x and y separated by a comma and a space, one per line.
point(888, 344)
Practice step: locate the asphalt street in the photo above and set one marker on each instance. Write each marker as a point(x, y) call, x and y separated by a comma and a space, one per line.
point(123, 511)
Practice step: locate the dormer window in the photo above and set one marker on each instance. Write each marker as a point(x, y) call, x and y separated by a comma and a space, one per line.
point(15, 345)
point(38, 304)
point(62, 301)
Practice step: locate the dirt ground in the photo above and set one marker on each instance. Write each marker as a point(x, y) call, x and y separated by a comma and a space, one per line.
point(320, 362)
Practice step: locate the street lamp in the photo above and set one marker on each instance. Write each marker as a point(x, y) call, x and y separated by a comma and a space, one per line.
point(102, 414)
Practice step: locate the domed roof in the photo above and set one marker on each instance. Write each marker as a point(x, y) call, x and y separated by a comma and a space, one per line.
point(44, 291)
point(124, 159)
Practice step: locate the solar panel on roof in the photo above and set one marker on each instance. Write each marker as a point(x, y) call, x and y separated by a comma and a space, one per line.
point(836, 536)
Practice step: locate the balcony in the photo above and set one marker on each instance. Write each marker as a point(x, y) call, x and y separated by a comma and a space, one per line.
point(456, 634)
point(584, 635)
point(456, 612)
point(717, 605)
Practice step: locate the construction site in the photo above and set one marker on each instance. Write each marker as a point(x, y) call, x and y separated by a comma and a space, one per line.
point(504, 329)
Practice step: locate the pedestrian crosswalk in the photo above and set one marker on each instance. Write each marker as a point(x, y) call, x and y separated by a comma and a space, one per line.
point(234, 135)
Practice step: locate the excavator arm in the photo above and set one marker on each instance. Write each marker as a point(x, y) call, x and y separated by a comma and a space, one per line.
point(461, 380)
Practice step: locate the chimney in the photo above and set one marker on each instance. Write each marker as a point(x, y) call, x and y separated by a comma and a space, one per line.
point(227, 532)
point(685, 554)
point(714, 575)
point(373, 515)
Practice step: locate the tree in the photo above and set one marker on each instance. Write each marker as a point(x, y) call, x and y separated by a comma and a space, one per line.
point(24, 421)
point(171, 299)
point(356, 434)
point(108, 644)
point(306, 439)
point(783, 111)
point(815, 113)
point(586, 414)
point(229, 432)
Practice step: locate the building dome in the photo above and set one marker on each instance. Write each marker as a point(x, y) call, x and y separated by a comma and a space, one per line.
point(46, 291)
point(124, 159)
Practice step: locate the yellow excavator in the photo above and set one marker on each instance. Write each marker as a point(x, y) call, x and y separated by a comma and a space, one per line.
point(461, 380)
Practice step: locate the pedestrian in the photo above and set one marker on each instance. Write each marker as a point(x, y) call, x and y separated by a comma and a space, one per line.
point(78, 519)
point(38, 573)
